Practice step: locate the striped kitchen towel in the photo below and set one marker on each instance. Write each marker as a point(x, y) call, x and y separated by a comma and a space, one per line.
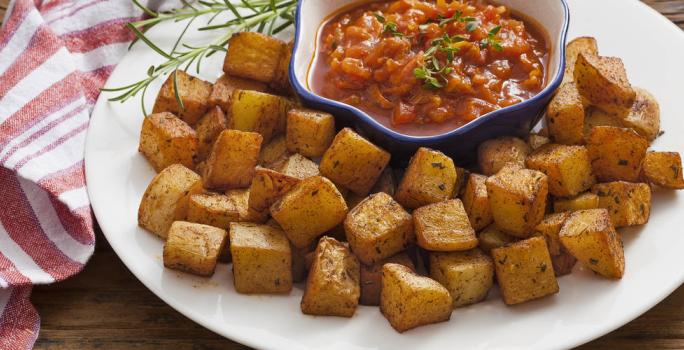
point(54, 57)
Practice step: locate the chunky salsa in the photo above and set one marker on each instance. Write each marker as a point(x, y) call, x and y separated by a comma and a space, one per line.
point(426, 67)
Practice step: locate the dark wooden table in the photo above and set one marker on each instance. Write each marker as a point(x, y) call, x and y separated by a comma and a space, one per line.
point(106, 307)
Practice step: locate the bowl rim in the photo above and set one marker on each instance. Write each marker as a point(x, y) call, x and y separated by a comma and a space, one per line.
point(364, 117)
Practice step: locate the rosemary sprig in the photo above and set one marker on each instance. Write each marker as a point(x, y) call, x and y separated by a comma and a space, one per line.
point(265, 16)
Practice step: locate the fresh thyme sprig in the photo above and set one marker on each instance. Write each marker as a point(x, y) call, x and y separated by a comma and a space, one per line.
point(434, 73)
point(265, 16)
point(387, 26)
point(492, 39)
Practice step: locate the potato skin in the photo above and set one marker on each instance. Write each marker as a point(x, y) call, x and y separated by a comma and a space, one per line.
point(166, 198)
point(222, 90)
point(584, 44)
point(208, 129)
point(233, 160)
point(444, 227)
point(644, 117)
point(663, 169)
point(616, 153)
point(378, 228)
point(568, 168)
point(409, 300)
point(332, 287)
point(493, 154)
point(524, 271)
point(193, 248)
point(254, 56)
point(371, 278)
point(429, 178)
point(591, 238)
point(309, 132)
point(194, 93)
point(468, 275)
point(565, 116)
point(628, 204)
point(476, 202)
point(353, 162)
point(166, 140)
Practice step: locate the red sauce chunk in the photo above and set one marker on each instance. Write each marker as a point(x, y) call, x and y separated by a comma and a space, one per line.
point(428, 67)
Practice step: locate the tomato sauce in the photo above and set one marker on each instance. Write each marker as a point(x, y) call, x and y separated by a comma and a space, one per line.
point(428, 67)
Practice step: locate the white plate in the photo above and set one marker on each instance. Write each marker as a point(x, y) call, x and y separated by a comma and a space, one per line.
point(586, 307)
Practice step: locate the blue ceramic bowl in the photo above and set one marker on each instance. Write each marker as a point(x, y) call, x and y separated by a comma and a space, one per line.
point(461, 144)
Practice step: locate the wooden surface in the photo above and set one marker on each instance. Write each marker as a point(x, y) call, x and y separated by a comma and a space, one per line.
point(106, 307)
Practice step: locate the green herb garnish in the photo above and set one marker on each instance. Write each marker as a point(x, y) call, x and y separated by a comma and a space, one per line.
point(388, 26)
point(433, 72)
point(492, 39)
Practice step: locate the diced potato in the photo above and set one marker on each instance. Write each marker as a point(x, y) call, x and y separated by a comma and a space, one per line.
point(371, 278)
point(299, 263)
point(166, 198)
point(274, 153)
point(493, 154)
point(595, 117)
point(493, 237)
point(591, 238)
point(462, 176)
point(616, 153)
point(258, 112)
point(193, 248)
point(378, 228)
point(222, 91)
point(267, 187)
point(281, 78)
point(644, 117)
point(524, 271)
point(663, 169)
point(429, 178)
point(253, 55)
point(232, 160)
point(628, 204)
point(467, 275)
point(262, 260)
point(476, 202)
point(194, 93)
point(603, 81)
point(353, 162)
point(535, 141)
point(208, 130)
point(549, 228)
point(240, 199)
point(332, 288)
point(582, 202)
point(309, 132)
point(565, 116)
point(166, 140)
point(298, 167)
point(567, 167)
point(409, 300)
point(444, 227)
point(311, 208)
point(212, 209)
point(386, 183)
point(586, 45)
point(517, 198)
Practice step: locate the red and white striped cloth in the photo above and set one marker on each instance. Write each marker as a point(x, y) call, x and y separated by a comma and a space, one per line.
point(54, 57)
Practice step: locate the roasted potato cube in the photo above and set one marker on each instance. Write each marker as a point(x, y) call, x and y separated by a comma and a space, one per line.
point(493, 154)
point(166, 140)
point(586, 45)
point(274, 153)
point(371, 278)
point(535, 141)
point(524, 271)
point(262, 260)
point(567, 167)
point(663, 169)
point(267, 187)
point(299, 264)
point(208, 130)
point(517, 198)
point(590, 237)
point(595, 117)
point(311, 208)
point(281, 78)
point(166, 198)
point(253, 55)
point(628, 204)
point(332, 288)
point(193, 248)
point(240, 200)
point(194, 93)
point(444, 227)
point(353, 162)
point(582, 202)
point(299, 167)
point(467, 275)
point(222, 91)
point(462, 176)
point(565, 116)
point(386, 183)
point(409, 300)
point(616, 153)
point(493, 237)
point(219, 210)
point(549, 228)
point(378, 228)
point(258, 112)
point(644, 117)
point(429, 178)
point(603, 81)
point(476, 202)
point(232, 160)
point(309, 133)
